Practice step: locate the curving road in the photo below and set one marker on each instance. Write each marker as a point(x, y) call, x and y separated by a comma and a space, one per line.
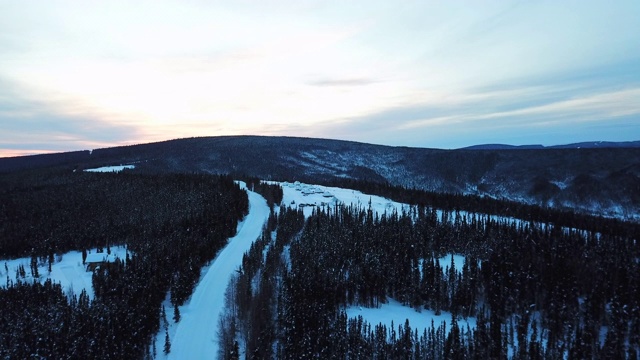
point(196, 333)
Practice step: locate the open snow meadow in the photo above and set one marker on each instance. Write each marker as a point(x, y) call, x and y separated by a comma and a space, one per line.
point(109, 169)
point(66, 269)
point(393, 312)
point(308, 197)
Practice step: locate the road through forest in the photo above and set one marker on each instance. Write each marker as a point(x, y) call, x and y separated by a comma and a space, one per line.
point(196, 333)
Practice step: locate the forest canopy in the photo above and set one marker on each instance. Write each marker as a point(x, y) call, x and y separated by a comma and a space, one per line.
point(541, 283)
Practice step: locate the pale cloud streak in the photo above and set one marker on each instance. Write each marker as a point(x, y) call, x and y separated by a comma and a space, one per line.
point(583, 109)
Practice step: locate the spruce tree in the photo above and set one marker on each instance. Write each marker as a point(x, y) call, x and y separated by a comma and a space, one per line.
point(167, 342)
point(164, 318)
point(176, 312)
point(34, 267)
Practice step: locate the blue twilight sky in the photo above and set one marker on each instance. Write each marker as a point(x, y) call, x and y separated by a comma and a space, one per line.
point(81, 75)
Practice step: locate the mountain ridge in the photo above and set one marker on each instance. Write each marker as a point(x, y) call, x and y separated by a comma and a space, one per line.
point(579, 145)
point(596, 180)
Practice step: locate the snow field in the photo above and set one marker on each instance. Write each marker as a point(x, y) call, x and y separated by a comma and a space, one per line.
point(396, 313)
point(67, 270)
point(115, 168)
point(458, 262)
point(310, 196)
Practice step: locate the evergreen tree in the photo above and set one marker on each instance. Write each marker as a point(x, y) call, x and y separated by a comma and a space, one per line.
point(163, 316)
point(34, 267)
point(167, 342)
point(176, 313)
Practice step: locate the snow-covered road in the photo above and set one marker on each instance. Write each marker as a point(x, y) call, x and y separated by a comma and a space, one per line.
point(196, 333)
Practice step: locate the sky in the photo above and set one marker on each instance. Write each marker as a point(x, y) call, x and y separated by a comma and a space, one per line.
point(80, 75)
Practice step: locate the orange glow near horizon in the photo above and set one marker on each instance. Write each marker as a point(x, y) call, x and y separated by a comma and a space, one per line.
point(7, 153)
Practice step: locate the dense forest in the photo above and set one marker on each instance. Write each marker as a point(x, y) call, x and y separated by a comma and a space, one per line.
point(172, 225)
point(536, 291)
point(552, 285)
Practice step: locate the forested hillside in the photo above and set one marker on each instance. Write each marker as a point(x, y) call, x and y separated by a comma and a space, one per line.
point(603, 180)
point(172, 225)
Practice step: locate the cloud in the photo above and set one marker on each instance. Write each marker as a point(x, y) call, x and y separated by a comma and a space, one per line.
point(535, 114)
point(30, 126)
point(417, 73)
point(343, 82)
point(597, 107)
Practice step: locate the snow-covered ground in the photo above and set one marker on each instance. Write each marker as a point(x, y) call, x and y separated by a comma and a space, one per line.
point(67, 269)
point(458, 262)
point(115, 168)
point(195, 335)
point(445, 262)
point(395, 312)
point(310, 196)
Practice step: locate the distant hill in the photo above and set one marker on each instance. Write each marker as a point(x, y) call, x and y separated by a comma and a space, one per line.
point(581, 145)
point(502, 147)
point(600, 144)
point(596, 177)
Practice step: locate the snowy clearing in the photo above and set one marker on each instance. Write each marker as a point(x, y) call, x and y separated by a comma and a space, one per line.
point(115, 168)
point(458, 262)
point(395, 312)
point(445, 263)
point(67, 269)
point(308, 197)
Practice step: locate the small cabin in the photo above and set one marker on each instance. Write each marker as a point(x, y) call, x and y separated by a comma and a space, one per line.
point(95, 260)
